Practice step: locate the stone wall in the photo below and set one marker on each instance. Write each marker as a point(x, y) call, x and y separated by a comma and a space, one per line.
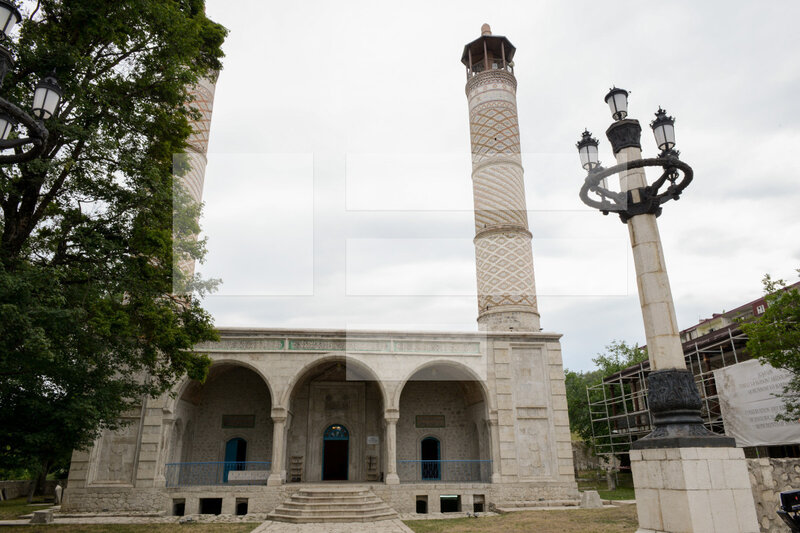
point(237, 391)
point(460, 435)
point(768, 478)
point(18, 489)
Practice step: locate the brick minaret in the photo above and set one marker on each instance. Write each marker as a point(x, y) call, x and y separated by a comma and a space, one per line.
point(506, 289)
point(197, 148)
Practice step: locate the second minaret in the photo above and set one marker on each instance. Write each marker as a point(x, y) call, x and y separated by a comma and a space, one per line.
point(504, 260)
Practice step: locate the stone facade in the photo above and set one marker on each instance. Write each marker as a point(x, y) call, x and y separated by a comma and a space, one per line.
point(768, 478)
point(497, 399)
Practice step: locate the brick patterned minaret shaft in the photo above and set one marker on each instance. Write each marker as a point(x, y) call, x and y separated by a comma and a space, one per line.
point(504, 260)
point(197, 149)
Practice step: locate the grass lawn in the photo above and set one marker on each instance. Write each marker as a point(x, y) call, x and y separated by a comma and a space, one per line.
point(622, 493)
point(618, 520)
point(140, 528)
point(12, 509)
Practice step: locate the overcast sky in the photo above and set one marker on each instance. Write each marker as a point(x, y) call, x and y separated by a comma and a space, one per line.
point(338, 191)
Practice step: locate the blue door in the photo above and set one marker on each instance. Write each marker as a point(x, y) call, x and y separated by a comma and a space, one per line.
point(235, 456)
point(431, 460)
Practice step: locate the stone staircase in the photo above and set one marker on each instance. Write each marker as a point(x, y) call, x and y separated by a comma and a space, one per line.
point(333, 503)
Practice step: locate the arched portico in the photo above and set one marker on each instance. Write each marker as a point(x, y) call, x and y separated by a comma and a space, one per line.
point(442, 426)
point(233, 405)
point(331, 392)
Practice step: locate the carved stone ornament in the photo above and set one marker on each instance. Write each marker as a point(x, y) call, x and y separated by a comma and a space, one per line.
point(624, 134)
point(675, 406)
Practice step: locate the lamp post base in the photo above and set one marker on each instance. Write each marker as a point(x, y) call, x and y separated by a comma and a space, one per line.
point(675, 406)
point(693, 489)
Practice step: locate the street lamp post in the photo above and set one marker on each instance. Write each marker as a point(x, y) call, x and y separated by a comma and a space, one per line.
point(46, 99)
point(672, 395)
point(682, 471)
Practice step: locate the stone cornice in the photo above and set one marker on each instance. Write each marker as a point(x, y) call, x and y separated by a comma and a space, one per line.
point(445, 344)
point(491, 76)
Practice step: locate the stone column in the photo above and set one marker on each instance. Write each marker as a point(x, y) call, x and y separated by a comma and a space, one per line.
point(494, 438)
point(687, 479)
point(277, 474)
point(658, 310)
point(390, 417)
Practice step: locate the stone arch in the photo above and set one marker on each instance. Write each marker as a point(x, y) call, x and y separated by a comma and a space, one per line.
point(361, 367)
point(335, 389)
point(445, 400)
point(456, 367)
point(183, 385)
point(235, 401)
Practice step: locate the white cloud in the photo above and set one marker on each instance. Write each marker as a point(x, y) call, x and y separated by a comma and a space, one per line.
point(371, 92)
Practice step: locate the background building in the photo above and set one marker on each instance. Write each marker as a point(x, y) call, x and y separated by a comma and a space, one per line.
point(618, 406)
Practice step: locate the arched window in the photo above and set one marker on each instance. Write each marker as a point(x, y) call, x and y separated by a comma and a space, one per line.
point(235, 456)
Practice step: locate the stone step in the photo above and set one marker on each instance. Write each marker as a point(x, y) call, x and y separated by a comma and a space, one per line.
point(374, 517)
point(334, 512)
point(333, 493)
point(333, 504)
point(345, 498)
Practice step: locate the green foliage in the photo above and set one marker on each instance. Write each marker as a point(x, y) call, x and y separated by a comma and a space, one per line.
point(577, 403)
point(89, 322)
point(617, 356)
point(774, 339)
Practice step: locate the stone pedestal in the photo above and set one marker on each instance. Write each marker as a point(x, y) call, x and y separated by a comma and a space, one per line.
point(693, 490)
point(42, 517)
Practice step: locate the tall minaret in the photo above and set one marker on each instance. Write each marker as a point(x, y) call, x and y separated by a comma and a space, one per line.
point(506, 290)
point(197, 149)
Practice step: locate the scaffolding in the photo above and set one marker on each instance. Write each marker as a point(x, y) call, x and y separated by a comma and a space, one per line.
point(618, 407)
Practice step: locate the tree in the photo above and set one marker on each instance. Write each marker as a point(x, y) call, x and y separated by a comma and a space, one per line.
point(580, 423)
point(774, 339)
point(617, 356)
point(89, 322)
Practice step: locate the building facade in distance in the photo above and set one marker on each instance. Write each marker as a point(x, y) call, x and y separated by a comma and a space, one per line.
point(618, 406)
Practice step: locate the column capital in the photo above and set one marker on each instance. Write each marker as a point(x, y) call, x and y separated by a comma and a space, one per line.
point(624, 134)
point(391, 416)
point(279, 414)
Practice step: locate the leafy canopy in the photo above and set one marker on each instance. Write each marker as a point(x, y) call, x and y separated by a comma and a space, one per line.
point(89, 324)
point(774, 339)
point(617, 356)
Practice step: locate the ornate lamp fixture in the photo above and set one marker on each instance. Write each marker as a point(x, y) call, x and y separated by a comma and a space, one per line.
point(626, 133)
point(46, 100)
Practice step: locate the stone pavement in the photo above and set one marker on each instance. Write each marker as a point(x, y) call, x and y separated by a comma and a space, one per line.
point(382, 526)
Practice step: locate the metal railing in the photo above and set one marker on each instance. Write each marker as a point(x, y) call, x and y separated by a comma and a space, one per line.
point(217, 473)
point(445, 471)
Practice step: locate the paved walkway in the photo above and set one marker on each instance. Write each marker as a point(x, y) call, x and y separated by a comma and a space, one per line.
point(382, 526)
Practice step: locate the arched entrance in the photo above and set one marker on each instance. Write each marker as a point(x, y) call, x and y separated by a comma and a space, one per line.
point(335, 424)
point(335, 449)
point(442, 432)
point(228, 427)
